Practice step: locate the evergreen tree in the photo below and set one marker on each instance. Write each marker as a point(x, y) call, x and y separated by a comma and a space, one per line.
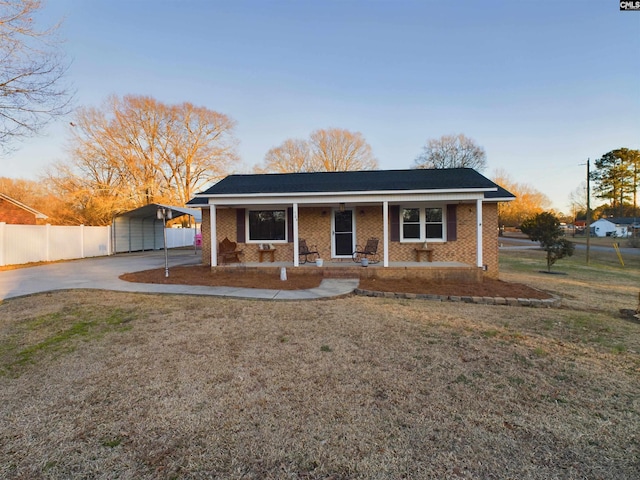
point(545, 229)
point(616, 178)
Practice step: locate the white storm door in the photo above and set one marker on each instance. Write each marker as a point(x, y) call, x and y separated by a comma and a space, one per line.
point(343, 234)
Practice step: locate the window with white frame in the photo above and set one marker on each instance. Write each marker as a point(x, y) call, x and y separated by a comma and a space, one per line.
point(267, 225)
point(419, 224)
point(411, 224)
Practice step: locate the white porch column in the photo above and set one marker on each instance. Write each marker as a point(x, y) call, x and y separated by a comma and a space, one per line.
point(214, 242)
point(385, 233)
point(296, 257)
point(479, 232)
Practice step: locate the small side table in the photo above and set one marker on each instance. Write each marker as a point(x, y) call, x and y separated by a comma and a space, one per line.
point(428, 251)
point(270, 251)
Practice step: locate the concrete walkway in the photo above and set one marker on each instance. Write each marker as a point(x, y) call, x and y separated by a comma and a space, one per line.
point(102, 273)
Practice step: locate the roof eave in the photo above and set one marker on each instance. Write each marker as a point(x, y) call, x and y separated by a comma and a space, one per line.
point(347, 193)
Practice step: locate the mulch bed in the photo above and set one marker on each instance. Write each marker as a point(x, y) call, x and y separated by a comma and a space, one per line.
point(204, 275)
point(488, 288)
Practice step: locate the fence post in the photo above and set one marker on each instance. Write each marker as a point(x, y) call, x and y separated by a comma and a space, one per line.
point(47, 247)
point(2, 242)
point(109, 232)
point(81, 240)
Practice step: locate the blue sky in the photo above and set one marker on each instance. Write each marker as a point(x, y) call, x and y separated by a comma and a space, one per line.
point(541, 85)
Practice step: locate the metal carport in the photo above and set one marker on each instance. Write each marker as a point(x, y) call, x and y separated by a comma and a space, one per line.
point(140, 229)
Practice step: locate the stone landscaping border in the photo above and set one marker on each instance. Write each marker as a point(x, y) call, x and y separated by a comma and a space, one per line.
point(554, 302)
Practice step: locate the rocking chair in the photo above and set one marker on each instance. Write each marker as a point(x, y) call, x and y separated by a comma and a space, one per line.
point(307, 254)
point(370, 252)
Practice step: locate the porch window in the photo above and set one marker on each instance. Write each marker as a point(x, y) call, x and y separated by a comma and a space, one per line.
point(411, 223)
point(267, 225)
point(433, 223)
point(422, 224)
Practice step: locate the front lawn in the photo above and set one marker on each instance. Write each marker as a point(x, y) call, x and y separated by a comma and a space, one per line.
point(120, 385)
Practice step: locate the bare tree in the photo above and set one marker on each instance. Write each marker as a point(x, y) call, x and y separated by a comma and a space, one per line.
point(528, 202)
point(135, 150)
point(197, 148)
point(452, 151)
point(38, 195)
point(31, 72)
point(335, 150)
point(578, 199)
point(25, 191)
point(292, 156)
point(327, 150)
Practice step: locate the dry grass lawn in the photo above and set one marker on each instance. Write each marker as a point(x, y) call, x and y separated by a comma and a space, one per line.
point(119, 385)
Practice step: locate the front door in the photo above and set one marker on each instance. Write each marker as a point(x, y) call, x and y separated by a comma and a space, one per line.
point(343, 243)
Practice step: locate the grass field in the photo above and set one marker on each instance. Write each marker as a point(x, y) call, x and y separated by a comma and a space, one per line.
point(118, 385)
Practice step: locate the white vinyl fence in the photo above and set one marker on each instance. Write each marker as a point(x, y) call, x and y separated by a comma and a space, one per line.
point(45, 243)
point(180, 237)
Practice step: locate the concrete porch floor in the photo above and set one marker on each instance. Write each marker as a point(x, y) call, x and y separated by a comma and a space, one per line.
point(351, 264)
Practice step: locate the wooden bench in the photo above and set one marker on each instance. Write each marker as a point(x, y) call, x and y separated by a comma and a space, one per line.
point(428, 251)
point(228, 251)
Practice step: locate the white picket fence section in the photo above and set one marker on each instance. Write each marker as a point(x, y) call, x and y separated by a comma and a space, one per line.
point(21, 244)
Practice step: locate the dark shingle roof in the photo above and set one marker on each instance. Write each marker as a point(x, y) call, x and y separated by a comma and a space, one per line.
point(623, 220)
point(501, 193)
point(361, 181)
point(194, 202)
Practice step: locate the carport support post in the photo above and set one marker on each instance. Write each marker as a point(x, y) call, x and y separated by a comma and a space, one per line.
point(166, 251)
point(162, 214)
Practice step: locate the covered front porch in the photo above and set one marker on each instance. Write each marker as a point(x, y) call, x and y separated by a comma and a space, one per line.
point(337, 230)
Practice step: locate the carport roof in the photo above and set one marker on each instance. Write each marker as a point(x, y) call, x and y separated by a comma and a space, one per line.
point(150, 211)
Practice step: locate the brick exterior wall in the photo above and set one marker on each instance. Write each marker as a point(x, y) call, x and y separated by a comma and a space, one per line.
point(11, 213)
point(314, 225)
point(205, 229)
point(490, 229)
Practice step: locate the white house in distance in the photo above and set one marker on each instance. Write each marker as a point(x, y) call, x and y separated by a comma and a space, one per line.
point(615, 227)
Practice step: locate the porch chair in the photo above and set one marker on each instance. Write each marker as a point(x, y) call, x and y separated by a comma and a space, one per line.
point(307, 254)
point(369, 251)
point(228, 251)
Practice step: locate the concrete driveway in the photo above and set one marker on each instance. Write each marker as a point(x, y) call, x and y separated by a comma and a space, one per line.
point(102, 273)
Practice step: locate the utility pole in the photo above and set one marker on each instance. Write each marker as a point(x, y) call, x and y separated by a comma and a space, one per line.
point(588, 226)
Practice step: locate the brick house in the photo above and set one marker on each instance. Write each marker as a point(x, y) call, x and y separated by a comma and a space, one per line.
point(454, 211)
point(14, 212)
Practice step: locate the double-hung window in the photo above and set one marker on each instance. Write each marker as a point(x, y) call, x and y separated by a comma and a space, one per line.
point(411, 224)
point(420, 224)
point(267, 225)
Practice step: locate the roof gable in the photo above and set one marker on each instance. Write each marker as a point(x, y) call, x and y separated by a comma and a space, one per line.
point(23, 206)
